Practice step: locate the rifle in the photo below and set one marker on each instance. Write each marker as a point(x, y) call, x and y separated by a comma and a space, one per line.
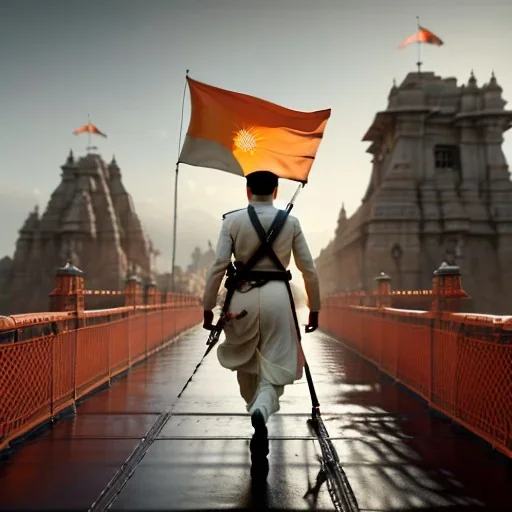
point(230, 284)
point(214, 336)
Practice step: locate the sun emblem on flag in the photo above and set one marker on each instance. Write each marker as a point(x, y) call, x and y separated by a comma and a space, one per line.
point(246, 140)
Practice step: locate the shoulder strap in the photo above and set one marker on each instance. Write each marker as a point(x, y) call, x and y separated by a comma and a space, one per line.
point(256, 224)
point(267, 239)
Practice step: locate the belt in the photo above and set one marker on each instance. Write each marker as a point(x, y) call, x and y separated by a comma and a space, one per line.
point(268, 275)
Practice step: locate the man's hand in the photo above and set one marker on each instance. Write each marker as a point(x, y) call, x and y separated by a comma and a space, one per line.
point(312, 322)
point(207, 319)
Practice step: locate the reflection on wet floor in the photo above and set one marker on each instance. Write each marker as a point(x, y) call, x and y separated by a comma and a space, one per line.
point(397, 455)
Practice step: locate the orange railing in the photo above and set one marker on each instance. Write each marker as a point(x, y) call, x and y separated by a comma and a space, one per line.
point(50, 360)
point(461, 364)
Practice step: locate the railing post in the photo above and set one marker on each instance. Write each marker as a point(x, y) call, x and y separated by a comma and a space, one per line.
point(151, 293)
point(432, 326)
point(448, 296)
point(132, 291)
point(161, 301)
point(383, 290)
point(447, 289)
point(132, 298)
point(68, 294)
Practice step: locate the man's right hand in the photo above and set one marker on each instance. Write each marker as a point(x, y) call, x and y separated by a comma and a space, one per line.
point(207, 319)
point(312, 322)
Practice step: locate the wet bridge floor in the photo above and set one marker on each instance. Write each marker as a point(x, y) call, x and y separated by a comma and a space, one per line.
point(135, 446)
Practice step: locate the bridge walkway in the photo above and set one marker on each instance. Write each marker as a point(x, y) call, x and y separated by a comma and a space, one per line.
point(134, 446)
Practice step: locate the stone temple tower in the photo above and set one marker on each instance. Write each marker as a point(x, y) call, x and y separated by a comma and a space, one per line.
point(90, 221)
point(440, 190)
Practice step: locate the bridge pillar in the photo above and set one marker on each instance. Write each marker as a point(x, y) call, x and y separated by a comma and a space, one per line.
point(151, 293)
point(68, 294)
point(447, 289)
point(383, 290)
point(132, 291)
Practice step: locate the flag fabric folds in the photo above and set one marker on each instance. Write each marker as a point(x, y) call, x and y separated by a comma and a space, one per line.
point(241, 134)
point(422, 36)
point(88, 128)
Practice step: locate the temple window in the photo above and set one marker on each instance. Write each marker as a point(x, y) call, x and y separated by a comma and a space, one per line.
point(446, 157)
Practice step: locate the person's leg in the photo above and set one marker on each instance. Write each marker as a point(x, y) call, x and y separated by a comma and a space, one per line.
point(248, 383)
point(265, 403)
point(266, 399)
point(258, 397)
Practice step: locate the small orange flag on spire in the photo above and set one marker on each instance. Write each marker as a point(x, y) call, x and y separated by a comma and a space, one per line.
point(88, 128)
point(422, 36)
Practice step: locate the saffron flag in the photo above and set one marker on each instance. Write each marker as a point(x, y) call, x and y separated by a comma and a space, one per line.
point(88, 128)
point(422, 36)
point(241, 134)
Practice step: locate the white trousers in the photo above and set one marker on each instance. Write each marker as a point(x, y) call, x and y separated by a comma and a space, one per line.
point(262, 346)
point(260, 394)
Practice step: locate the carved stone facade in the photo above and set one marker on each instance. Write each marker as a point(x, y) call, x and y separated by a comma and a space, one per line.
point(440, 190)
point(90, 221)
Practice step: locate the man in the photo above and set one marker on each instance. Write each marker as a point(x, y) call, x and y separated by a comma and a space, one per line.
point(262, 344)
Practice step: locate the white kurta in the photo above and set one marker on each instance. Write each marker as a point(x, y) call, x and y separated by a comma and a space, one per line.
point(262, 346)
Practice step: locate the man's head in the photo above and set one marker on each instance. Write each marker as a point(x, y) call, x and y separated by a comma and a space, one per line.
point(262, 183)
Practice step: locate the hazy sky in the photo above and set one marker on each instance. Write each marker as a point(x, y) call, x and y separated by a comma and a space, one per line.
point(124, 63)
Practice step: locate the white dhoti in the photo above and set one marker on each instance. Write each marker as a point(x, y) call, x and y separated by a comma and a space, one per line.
point(263, 346)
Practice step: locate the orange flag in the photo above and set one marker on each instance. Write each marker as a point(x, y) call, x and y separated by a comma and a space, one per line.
point(241, 134)
point(88, 128)
point(423, 36)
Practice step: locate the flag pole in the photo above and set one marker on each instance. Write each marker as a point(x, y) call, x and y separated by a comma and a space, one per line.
point(173, 264)
point(419, 63)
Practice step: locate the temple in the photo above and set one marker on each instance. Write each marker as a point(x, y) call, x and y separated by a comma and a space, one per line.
point(90, 221)
point(440, 190)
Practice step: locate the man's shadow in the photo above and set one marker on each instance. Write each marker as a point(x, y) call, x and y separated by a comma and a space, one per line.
point(256, 495)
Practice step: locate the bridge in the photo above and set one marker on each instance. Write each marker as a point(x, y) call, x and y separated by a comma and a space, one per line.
point(416, 404)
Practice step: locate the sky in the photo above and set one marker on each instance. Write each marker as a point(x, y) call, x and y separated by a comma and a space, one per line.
point(124, 63)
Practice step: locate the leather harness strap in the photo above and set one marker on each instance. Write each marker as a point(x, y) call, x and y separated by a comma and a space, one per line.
point(267, 239)
point(266, 246)
point(238, 273)
point(272, 255)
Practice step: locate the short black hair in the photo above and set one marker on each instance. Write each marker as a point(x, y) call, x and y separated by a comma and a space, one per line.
point(262, 183)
